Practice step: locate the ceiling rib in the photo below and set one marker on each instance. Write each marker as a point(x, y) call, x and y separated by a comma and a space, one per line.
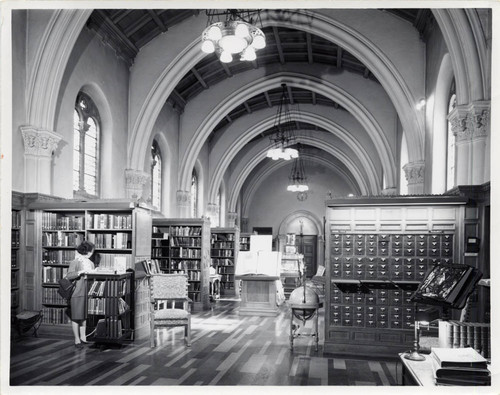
point(278, 44)
point(157, 20)
point(199, 78)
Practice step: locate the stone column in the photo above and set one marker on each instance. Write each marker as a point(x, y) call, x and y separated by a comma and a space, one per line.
point(183, 200)
point(231, 219)
point(39, 145)
point(471, 127)
point(213, 214)
point(135, 183)
point(414, 172)
point(244, 224)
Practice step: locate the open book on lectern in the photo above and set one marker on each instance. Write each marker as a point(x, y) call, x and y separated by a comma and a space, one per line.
point(266, 263)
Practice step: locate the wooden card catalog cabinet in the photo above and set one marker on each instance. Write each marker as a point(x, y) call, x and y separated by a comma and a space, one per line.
point(377, 252)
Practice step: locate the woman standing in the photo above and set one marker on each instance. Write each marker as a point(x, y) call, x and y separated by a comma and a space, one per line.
point(81, 265)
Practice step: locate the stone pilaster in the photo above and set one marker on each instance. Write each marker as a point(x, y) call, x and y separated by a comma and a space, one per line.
point(470, 125)
point(414, 172)
point(183, 200)
point(39, 145)
point(231, 219)
point(135, 183)
point(244, 224)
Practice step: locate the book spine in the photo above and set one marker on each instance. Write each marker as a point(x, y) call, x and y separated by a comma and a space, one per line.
point(463, 334)
point(477, 338)
point(456, 335)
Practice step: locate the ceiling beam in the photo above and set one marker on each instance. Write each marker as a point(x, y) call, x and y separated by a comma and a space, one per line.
point(313, 97)
point(309, 48)
point(119, 15)
point(134, 27)
point(247, 107)
point(178, 99)
point(157, 20)
point(254, 64)
point(118, 32)
point(199, 78)
point(290, 94)
point(366, 72)
point(336, 105)
point(228, 118)
point(268, 99)
point(226, 69)
point(339, 57)
point(278, 44)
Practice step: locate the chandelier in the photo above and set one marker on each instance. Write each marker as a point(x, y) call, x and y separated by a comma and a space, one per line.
point(297, 178)
point(231, 32)
point(284, 136)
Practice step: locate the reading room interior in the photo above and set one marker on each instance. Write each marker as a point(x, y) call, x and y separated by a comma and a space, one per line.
point(241, 197)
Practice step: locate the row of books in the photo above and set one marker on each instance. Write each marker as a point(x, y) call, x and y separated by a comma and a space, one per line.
point(109, 328)
point(99, 288)
point(51, 274)
point(16, 219)
point(177, 241)
point(15, 239)
point(222, 262)
point(119, 240)
point(13, 260)
point(222, 253)
point(50, 296)
point(194, 287)
point(456, 334)
point(60, 239)
point(114, 261)
point(58, 221)
point(57, 257)
point(185, 230)
point(109, 221)
point(459, 366)
point(222, 244)
point(55, 315)
point(184, 252)
point(222, 237)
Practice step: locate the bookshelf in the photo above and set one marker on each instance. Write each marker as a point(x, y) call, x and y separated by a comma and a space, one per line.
point(110, 313)
point(245, 241)
point(224, 247)
point(118, 229)
point(377, 252)
point(182, 246)
point(15, 260)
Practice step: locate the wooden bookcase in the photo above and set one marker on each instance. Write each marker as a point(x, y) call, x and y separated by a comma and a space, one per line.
point(182, 245)
point(245, 241)
point(120, 230)
point(110, 312)
point(377, 252)
point(15, 260)
point(225, 244)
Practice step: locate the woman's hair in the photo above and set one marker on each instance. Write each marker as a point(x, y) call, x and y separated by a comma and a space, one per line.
point(85, 247)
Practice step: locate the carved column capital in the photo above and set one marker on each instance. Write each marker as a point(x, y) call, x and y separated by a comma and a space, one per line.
point(135, 180)
point(39, 142)
point(231, 218)
point(389, 191)
point(414, 172)
point(472, 121)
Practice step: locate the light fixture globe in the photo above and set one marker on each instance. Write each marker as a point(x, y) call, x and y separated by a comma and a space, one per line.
point(233, 36)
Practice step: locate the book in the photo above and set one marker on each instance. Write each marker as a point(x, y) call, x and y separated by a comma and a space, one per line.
point(462, 382)
point(459, 357)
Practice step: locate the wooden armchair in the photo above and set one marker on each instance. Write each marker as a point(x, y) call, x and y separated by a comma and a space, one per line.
point(168, 292)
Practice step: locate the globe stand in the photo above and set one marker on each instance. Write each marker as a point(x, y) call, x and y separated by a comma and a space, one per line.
point(304, 304)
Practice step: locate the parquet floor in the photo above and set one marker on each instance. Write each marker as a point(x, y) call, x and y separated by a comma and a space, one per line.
point(226, 350)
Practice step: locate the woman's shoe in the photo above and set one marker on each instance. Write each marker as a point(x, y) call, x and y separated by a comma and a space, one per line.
point(84, 342)
point(79, 345)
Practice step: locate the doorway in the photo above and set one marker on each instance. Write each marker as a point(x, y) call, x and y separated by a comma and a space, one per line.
point(307, 246)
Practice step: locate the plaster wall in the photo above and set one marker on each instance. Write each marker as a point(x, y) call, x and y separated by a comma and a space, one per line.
point(18, 96)
point(95, 67)
point(272, 202)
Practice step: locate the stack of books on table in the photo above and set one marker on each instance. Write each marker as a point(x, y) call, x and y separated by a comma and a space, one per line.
point(460, 366)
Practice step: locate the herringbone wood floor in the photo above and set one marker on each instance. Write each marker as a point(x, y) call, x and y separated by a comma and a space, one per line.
point(227, 350)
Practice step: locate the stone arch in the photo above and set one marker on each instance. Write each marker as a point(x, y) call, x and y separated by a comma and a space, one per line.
point(258, 179)
point(44, 79)
point(297, 214)
point(292, 79)
point(258, 157)
point(324, 27)
point(315, 119)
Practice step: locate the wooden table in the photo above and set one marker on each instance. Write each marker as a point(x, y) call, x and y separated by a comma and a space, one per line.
point(258, 295)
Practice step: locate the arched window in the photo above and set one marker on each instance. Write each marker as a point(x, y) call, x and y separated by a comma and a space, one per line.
point(86, 130)
point(194, 195)
point(450, 149)
point(218, 214)
point(155, 175)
